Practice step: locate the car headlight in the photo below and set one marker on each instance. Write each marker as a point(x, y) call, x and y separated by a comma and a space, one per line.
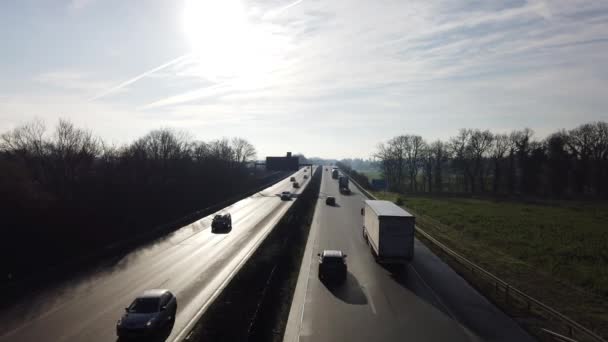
point(150, 323)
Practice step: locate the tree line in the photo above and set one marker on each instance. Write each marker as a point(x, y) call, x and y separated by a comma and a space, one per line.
point(66, 192)
point(567, 163)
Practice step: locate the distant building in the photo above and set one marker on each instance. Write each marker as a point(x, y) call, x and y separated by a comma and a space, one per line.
point(287, 163)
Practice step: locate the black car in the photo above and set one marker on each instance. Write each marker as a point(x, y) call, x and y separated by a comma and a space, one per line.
point(221, 223)
point(332, 266)
point(285, 196)
point(296, 185)
point(292, 179)
point(330, 200)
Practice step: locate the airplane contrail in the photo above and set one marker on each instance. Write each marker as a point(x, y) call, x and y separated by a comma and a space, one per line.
point(278, 11)
point(140, 76)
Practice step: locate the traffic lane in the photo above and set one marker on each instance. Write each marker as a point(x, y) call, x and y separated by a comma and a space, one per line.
point(464, 302)
point(371, 304)
point(438, 284)
point(90, 309)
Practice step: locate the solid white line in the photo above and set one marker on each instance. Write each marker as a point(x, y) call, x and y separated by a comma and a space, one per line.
point(369, 298)
point(449, 312)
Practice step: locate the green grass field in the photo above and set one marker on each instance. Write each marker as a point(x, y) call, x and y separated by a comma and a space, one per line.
point(372, 174)
point(556, 251)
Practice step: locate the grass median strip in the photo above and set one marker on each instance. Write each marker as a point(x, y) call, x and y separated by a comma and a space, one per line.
point(554, 251)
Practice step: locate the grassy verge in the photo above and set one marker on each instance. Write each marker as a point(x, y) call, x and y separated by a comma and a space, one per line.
point(554, 251)
point(372, 174)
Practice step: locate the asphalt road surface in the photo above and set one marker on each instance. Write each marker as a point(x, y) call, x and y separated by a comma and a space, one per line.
point(427, 301)
point(191, 262)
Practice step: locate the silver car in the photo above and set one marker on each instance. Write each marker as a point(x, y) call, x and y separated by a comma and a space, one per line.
point(148, 314)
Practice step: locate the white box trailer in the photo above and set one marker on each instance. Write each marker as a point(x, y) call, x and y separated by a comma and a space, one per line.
point(389, 230)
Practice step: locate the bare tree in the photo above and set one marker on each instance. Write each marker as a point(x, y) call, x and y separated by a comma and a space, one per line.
point(415, 145)
point(200, 151)
point(580, 142)
point(392, 163)
point(28, 139)
point(479, 143)
point(439, 155)
point(460, 152)
point(221, 150)
point(243, 150)
point(499, 148)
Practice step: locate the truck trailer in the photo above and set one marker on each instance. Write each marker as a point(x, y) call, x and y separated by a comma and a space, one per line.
point(389, 230)
point(343, 185)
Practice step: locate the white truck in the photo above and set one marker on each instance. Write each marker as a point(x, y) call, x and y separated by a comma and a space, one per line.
point(389, 230)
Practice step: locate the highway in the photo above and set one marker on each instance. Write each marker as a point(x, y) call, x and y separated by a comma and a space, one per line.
point(193, 263)
point(428, 301)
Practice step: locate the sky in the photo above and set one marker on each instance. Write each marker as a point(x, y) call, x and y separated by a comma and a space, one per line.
point(325, 78)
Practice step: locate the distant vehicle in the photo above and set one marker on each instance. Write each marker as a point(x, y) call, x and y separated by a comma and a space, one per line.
point(332, 266)
point(221, 223)
point(305, 176)
point(326, 169)
point(335, 173)
point(292, 179)
point(389, 230)
point(148, 313)
point(285, 196)
point(330, 200)
point(296, 185)
point(343, 185)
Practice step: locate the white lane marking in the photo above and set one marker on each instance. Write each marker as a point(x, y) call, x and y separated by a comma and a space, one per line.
point(369, 299)
point(449, 312)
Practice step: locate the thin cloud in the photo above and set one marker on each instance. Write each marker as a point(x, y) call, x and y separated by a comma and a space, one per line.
point(79, 4)
point(71, 80)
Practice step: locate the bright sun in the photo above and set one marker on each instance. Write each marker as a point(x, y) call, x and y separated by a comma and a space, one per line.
point(226, 45)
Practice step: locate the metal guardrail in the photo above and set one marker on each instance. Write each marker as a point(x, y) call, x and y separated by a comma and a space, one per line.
point(557, 336)
point(510, 292)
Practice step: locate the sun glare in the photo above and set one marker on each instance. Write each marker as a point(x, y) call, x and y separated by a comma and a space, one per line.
point(225, 43)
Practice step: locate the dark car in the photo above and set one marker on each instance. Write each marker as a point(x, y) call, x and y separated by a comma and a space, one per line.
point(292, 179)
point(296, 185)
point(285, 196)
point(305, 176)
point(332, 266)
point(149, 313)
point(330, 200)
point(221, 223)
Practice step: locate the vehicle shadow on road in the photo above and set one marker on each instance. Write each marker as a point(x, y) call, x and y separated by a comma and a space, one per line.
point(349, 291)
point(161, 336)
